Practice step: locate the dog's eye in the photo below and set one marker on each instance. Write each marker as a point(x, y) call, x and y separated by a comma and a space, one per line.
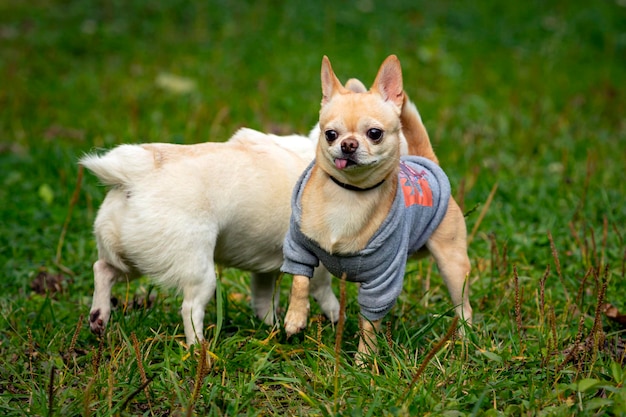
point(375, 134)
point(331, 135)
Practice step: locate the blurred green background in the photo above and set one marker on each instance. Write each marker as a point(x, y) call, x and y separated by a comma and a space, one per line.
point(526, 96)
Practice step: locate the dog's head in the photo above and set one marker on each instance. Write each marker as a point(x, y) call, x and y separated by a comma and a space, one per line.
point(360, 131)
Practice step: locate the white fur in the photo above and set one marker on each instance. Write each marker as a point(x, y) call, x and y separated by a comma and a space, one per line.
point(176, 210)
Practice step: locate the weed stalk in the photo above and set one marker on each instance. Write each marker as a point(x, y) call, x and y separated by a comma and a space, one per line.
point(73, 201)
point(31, 355)
point(428, 358)
point(594, 248)
point(621, 244)
point(605, 237)
point(624, 265)
point(72, 348)
point(133, 394)
point(51, 391)
point(495, 256)
point(319, 332)
point(583, 195)
point(504, 263)
point(573, 352)
point(87, 396)
point(142, 371)
point(552, 339)
point(339, 333)
point(482, 214)
point(581, 288)
point(518, 303)
point(597, 337)
point(98, 356)
point(542, 294)
point(577, 239)
point(557, 263)
point(110, 386)
point(201, 373)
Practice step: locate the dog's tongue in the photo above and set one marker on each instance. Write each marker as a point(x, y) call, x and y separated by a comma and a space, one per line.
point(341, 163)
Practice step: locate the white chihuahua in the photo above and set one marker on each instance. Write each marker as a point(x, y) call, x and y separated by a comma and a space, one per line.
point(175, 210)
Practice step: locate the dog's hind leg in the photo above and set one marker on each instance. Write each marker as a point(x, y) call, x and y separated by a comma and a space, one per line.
point(105, 276)
point(368, 345)
point(196, 295)
point(265, 296)
point(322, 292)
point(448, 245)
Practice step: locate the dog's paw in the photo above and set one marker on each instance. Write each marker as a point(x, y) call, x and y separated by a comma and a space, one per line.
point(295, 322)
point(361, 360)
point(98, 321)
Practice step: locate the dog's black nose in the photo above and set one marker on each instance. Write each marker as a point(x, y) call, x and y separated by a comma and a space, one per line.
point(349, 146)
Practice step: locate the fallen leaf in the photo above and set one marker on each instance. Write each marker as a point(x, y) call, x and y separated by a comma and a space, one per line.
point(175, 84)
point(237, 297)
point(46, 282)
point(57, 131)
point(613, 314)
point(46, 193)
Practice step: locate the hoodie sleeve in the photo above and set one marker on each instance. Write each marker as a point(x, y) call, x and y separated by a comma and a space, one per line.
point(298, 259)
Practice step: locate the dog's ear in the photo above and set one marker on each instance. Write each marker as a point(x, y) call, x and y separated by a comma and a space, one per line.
point(330, 84)
point(355, 86)
point(388, 81)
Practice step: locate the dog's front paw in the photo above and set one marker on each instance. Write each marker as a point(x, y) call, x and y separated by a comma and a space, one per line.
point(98, 320)
point(295, 321)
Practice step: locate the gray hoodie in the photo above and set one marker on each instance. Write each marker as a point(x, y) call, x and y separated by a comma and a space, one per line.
point(420, 205)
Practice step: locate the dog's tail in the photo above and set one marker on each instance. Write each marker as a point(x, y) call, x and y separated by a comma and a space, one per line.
point(415, 132)
point(120, 166)
point(355, 85)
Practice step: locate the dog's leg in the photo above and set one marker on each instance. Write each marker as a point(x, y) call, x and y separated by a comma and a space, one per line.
point(322, 292)
point(368, 346)
point(195, 298)
point(265, 297)
point(448, 245)
point(104, 276)
point(298, 311)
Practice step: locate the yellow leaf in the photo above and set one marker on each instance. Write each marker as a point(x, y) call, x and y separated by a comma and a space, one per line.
point(46, 193)
point(175, 84)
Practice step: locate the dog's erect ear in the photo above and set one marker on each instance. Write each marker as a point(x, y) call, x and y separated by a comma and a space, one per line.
point(388, 82)
point(355, 86)
point(330, 84)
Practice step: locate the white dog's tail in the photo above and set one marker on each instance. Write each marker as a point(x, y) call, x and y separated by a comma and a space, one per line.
point(120, 166)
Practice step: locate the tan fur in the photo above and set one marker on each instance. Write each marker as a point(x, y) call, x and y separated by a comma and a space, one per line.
point(336, 229)
point(324, 217)
point(342, 221)
point(415, 132)
point(367, 342)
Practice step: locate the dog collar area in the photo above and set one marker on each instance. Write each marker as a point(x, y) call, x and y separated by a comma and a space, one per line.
point(352, 187)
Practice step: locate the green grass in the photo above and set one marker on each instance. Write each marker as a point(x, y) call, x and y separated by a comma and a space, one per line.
point(530, 96)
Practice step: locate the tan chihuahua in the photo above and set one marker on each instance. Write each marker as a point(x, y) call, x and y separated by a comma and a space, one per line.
point(362, 208)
